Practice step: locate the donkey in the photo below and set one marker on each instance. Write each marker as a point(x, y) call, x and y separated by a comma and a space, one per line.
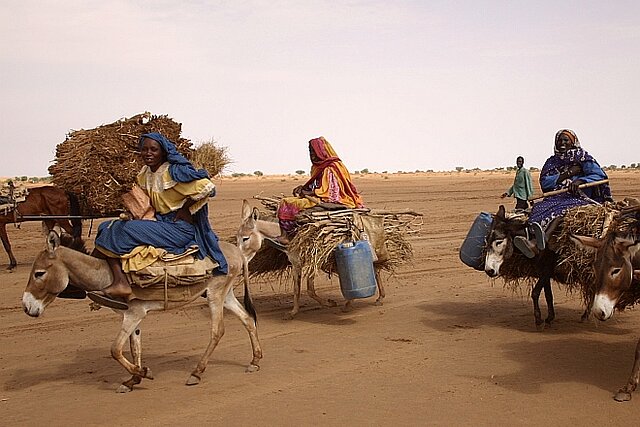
point(500, 251)
point(57, 265)
point(47, 200)
point(616, 266)
point(252, 234)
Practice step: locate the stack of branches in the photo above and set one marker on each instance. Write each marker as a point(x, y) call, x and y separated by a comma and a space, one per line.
point(573, 266)
point(320, 232)
point(100, 165)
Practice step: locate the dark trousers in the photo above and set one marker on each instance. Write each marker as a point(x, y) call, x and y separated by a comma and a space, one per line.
point(521, 203)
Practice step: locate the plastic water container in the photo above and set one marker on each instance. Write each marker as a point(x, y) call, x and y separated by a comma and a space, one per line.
point(355, 269)
point(472, 250)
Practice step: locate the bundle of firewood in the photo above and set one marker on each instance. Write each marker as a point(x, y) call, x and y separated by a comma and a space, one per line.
point(100, 165)
point(319, 232)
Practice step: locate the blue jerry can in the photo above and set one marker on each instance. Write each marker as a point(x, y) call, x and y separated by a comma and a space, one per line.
point(473, 248)
point(355, 269)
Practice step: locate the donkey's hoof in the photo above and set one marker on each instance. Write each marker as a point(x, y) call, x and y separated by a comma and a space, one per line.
point(129, 384)
point(379, 302)
point(146, 373)
point(347, 308)
point(288, 316)
point(332, 303)
point(193, 380)
point(124, 389)
point(252, 368)
point(622, 396)
point(540, 326)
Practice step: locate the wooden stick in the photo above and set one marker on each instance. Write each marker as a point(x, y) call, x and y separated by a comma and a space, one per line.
point(405, 212)
point(268, 199)
point(564, 190)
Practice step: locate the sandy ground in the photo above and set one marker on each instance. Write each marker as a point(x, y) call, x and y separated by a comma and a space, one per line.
point(448, 347)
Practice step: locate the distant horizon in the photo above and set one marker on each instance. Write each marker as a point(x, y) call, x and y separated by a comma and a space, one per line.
point(503, 169)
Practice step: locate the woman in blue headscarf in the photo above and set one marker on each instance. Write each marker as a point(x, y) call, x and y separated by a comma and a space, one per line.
point(178, 193)
point(568, 168)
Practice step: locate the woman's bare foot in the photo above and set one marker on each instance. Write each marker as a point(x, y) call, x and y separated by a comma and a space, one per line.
point(118, 289)
point(120, 286)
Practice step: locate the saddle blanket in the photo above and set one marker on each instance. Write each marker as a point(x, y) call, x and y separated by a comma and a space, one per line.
point(173, 270)
point(177, 294)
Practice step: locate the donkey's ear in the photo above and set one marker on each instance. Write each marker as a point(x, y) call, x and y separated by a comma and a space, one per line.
point(246, 210)
point(255, 214)
point(587, 243)
point(53, 242)
point(501, 212)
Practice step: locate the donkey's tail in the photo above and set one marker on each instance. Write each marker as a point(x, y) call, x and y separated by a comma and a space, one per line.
point(248, 303)
point(74, 210)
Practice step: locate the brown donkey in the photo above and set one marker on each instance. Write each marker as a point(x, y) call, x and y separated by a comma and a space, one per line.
point(47, 200)
point(616, 266)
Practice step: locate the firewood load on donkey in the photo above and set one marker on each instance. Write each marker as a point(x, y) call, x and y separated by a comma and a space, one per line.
point(560, 261)
point(158, 288)
point(318, 235)
point(38, 201)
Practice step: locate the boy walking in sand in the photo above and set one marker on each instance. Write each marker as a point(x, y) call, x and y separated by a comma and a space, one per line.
point(522, 187)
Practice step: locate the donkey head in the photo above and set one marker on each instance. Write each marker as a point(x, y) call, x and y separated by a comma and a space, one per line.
point(500, 242)
point(249, 238)
point(47, 279)
point(615, 259)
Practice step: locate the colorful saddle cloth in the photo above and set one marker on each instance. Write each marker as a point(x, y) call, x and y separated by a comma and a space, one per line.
point(168, 270)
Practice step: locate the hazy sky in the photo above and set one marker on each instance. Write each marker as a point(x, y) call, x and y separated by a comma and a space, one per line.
point(394, 85)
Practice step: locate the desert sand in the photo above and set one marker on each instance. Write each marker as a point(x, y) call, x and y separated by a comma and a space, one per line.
point(448, 347)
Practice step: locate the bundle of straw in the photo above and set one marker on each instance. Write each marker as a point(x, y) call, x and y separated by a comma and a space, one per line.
point(100, 165)
point(573, 266)
point(211, 157)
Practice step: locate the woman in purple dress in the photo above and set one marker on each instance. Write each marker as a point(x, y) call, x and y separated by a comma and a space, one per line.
point(568, 168)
